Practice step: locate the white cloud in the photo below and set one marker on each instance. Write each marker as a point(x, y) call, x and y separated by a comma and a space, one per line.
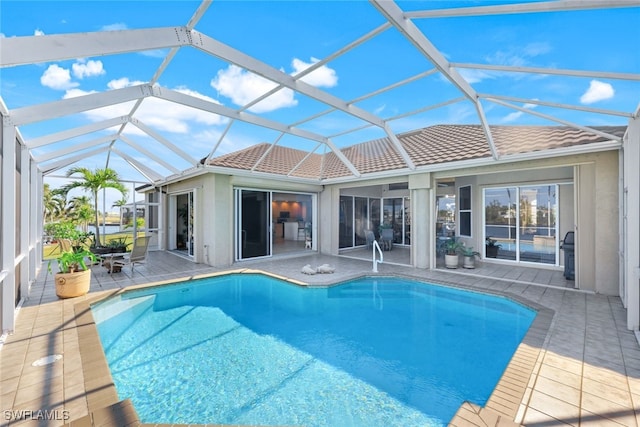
point(38, 32)
point(518, 56)
point(160, 115)
point(536, 49)
point(321, 77)
point(473, 76)
point(206, 140)
point(114, 27)
point(83, 68)
point(598, 91)
point(56, 77)
point(512, 117)
point(380, 109)
point(176, 118)
point(123, 82)
point(73, 93)
point(243, 87)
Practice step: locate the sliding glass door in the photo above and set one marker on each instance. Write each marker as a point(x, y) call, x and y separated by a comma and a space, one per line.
point(359, 214)
point(396, 213)
point(500, 220)
point(523, 221)
point(537, 231)
point(253, 231)
point(183, 223)
point(271, 223)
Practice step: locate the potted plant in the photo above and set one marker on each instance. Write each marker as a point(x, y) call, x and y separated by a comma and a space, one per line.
point(491, 247)
point(115, 246)
point(469, 256)
point(74, 277)
point(118, 245)
point(451, 248)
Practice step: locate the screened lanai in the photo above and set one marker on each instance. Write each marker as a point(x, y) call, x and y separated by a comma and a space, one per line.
point(164, 93)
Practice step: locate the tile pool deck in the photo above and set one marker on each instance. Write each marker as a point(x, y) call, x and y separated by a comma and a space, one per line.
point(577, 366)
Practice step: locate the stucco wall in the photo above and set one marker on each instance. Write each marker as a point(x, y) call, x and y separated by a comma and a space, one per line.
point(606, 205)
point(598, 197)
point(595, 194)
point(220, 250)
point(200, 186)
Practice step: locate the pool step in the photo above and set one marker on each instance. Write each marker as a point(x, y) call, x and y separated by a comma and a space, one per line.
point(470, 415)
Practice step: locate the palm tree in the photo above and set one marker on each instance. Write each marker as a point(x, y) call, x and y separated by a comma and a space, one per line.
point(119, 203)
point(94, 181)
point(81, 211)
point(53, 202)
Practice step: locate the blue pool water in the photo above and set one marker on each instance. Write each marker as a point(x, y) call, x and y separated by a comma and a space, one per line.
point(251, 349)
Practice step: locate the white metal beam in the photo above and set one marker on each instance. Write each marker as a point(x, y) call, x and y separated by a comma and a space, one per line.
point(400, 116)
point(631, 212)
point(204, 105)
point(23, 222)
point(227, 53)
point(201, 104)
point(637, 112)
point(549, 6)
point(309, 154)
point(51, 167)
point(394, 14)
point(50, 48)
point(79, 104)
point(75, 148)
point(399, 148)
point(267, 151)
point(322, 62)
point(556, 105)
point(35, 222)
point(8, 224)
point(164, 141)
point(554, 71)
point(75, 132)
point(394, 85)
point(172, 53)
point(367, 96)
point(487, 130)
point(148, 153)
point(555, 119)
point(220, 139)
point(144, 170)
point(424, 109)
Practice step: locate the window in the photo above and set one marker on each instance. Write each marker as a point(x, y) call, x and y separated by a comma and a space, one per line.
point(399, 186)
point(465, 210)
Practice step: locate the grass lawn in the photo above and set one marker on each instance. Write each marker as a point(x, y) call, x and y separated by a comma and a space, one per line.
point(52, 250)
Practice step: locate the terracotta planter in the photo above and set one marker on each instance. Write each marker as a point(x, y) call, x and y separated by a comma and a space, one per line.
point(70, 285)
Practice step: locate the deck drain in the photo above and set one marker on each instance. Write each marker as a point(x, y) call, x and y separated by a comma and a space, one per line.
point(47, 360)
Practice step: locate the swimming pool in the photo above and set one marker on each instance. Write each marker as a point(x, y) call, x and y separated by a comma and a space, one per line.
point(252, 349)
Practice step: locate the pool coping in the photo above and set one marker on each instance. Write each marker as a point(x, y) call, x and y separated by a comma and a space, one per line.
point(503, 406)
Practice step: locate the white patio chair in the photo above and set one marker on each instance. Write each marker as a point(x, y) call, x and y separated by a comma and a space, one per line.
point(137, 255)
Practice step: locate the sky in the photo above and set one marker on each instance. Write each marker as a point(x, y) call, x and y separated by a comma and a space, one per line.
point(292, 35)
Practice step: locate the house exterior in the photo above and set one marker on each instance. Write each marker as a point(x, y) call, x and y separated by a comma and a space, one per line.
point(537, 184)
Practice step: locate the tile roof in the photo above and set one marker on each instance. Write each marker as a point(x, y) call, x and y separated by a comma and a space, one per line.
point(428, 146)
